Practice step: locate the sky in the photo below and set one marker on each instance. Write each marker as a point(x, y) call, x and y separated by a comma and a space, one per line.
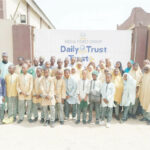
point(90, 14)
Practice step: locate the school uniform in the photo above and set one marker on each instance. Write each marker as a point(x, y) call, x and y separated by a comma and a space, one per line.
point(47, 89)
point(2, 94)
point(82, 90)
point(128, 97)
point(94, 99)
point(71, 90)
point(36, 92)
point(12, 95)
point(108, 92)
point(25, 85)
point(60, 94)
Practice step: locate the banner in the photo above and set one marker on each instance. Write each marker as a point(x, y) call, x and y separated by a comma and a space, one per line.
point(91, 45)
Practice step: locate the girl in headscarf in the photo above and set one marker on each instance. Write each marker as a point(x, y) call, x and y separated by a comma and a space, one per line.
point(145, 94)
point(129, 66)
point(119, 66)
point(109, 65)
point(102, 72)
point(136, 73)
point(129, 94)
point(89, 72)
point(118, 82)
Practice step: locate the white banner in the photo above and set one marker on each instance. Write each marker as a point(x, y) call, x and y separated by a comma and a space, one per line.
point(89, 44)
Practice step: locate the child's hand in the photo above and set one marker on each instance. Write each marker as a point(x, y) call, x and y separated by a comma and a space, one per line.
point(105, 101)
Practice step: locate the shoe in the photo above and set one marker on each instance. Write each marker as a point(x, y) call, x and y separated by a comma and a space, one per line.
point(102, 123)
point(77, 122)
point(117, 118)
point(35, 119)
point(66, 118)
point(89, 121)
point(14, 119)
point(143, 119)
point(134, 116)
point(42, 120)
point(148, 122)
point(73, 118)
point(19, 121)
point(108, 125)
point(52, 124)
point(62, 122)
point(56, 120)
point(97, 122)
point(84, 122)
point(122, 121)
point(46, 123)
point(30, 120)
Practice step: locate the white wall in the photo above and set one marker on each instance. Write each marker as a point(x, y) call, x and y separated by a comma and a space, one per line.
point(6, 43)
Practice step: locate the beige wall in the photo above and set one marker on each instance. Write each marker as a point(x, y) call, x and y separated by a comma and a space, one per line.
point(34, 18)
point(6, 43)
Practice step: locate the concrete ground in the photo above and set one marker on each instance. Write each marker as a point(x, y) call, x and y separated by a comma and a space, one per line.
point(132, 135)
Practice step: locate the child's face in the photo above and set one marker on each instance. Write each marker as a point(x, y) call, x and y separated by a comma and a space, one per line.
point(11, 70)
point(94, 76)
point(125, 77)
point(67, 74)
point(46, 73)
point(58, 75)
point(108, 78)
point(38, 72)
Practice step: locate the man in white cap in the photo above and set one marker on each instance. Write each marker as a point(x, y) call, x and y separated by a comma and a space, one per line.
point(4, 64)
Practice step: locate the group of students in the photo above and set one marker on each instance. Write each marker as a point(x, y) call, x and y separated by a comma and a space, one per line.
point(65, 89)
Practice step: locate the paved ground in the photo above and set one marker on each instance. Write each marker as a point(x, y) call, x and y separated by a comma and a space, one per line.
point(132, 135)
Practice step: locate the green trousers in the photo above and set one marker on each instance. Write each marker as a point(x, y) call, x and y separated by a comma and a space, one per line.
point(46, 113)
point(59, 113)
point(2, 108)
point(84, 113)
point(22, 106)
point(68, 109)
point(107, 112)
point(125, 113)
point(117, 110)
point(12, 107)
point(133, 108)
point(146, 115)
point(97, 110)
point(35, 107)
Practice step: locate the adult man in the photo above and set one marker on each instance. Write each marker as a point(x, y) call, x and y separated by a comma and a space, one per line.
point(145, 94)
point(24, 89)
point(4, 65)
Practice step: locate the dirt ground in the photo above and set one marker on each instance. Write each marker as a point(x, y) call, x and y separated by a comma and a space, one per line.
point(132, 135)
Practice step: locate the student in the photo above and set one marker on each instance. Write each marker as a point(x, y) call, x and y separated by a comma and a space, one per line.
point(52, 62)
point(74, 75)
point(119, 66)
point(36, 93)
point(136, 73)
point(73, 62)
point(66, 63)
point(145, 94)
point(94, 97)
point(41, 61)
point(24, 89)
point(109, 65)
point(59, 67)
point(83, 92)
point(89, 72)
point(47, 93)
point(129, 66)
point(118, 82)
point(12, 95)
point(2, 98)
point(19, 66)
point(71, 95)
point(108, 92)
point(101, 75)
point(60, 95)
point(128, 97)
